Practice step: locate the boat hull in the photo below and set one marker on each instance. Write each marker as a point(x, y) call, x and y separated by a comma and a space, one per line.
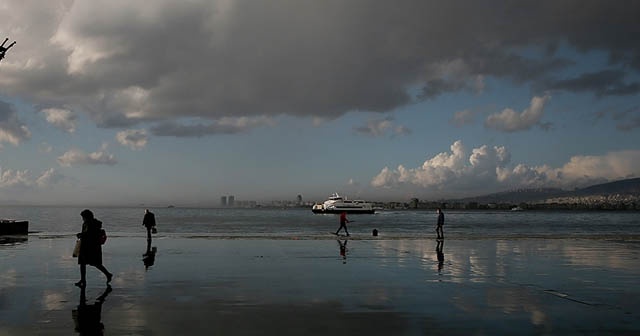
point(14, 227)
point(339, 211)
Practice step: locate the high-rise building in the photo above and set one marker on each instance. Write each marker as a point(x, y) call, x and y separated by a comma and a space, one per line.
point(299, 199)
point(232, 200)
point(223, 201)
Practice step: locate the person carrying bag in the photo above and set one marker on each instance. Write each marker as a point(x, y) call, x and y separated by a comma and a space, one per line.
point(89, 244)
point(149, 221)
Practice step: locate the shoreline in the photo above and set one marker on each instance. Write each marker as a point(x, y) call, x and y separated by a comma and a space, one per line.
point(624, 237)
point(404, 287)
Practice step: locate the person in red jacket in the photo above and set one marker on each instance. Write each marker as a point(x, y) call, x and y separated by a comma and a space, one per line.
point(343, 223)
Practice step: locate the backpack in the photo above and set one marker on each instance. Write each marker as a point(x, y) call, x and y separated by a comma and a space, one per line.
point(103, 237)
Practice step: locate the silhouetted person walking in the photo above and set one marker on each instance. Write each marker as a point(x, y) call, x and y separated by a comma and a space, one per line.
point(149, 221)
point(90, 247)
point(3, 49)
point(440, 224)
point(343, 223)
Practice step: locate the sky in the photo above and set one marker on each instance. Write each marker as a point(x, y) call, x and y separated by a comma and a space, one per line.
point(159, 102)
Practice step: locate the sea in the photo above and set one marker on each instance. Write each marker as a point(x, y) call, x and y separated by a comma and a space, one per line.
point(300, 223)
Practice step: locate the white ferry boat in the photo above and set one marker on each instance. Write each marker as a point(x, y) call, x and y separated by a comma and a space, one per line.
point(339, 204)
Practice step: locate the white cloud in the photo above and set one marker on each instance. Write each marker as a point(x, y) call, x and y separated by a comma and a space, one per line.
point(386, 178)
point(60, 118)
point(78, 157)
point(14, 134)
point(22, 179)
point(463, 117)
point(382, 127)
point(49, 177)
point(224, 125)
point(86, 49)
point(318, 121)
point(45, 147)
point(14, 178)
point(134, 139)
point(613, 165)
point(374, 127)
point(401, 130)
point(511, 121)
point(435, 171)
point(451, 76)
point(12, 130)
point(488, 169)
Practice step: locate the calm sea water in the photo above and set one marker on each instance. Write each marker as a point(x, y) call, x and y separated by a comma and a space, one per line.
point(303, 224)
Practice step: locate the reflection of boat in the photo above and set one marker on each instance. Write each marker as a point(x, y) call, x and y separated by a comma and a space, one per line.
point(13, 227)
point(339, 204)
point(13, 239)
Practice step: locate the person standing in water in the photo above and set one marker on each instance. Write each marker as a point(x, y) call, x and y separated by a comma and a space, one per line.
point(343, 223)
point(90, 247)
point(440, 224)
point(149, 221)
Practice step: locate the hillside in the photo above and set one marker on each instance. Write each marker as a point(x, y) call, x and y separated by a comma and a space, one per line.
point(622, 187)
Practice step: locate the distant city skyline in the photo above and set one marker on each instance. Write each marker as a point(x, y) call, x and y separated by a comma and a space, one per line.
point(164, 102)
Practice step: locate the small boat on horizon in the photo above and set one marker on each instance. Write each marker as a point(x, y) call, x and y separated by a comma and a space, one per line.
point(338, 204)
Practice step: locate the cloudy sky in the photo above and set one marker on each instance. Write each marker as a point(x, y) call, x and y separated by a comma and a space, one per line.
point(180, 102)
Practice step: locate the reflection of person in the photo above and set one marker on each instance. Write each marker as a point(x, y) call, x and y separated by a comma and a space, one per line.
point(90, 247)
point(149, 221)
point(440, 254)
point(343, 223)
point(440, 224)
point(87, 318)
point(3, 49)
point(343, 250)
point(149, 257)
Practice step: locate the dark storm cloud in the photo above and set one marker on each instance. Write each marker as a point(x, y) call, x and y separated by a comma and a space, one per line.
point(159, 60)
point(437, 86)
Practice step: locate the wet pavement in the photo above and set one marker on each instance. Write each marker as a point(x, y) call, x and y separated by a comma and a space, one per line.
point(319, 287)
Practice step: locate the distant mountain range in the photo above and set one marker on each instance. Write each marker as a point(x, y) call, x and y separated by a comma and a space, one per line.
point(622, 187)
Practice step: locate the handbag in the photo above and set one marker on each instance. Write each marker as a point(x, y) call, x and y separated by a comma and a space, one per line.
point(76, 249)
point(154, 230)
